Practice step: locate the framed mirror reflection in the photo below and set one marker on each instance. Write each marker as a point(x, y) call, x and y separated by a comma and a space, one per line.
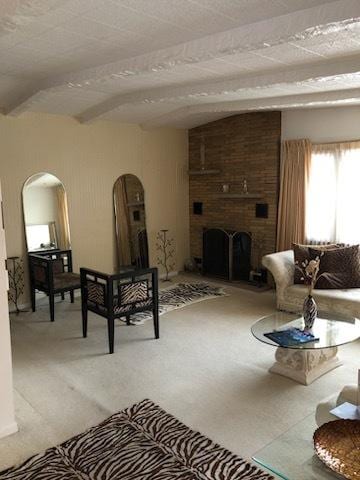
point(130, 222)
point(46, 216)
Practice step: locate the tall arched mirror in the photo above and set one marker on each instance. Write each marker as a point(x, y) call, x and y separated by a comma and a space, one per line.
point(45, 213)
point(130, 222)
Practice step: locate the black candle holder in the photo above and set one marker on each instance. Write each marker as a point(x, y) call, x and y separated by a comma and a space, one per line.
point(15, 268)
point(165, 246)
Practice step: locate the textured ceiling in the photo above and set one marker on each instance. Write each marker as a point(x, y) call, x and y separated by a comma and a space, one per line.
point(176, 62)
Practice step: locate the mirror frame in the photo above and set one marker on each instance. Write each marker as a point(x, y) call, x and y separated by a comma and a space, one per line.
point(118, 236)
point(53, 223)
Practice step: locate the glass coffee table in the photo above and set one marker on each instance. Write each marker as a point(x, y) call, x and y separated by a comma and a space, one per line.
point(307, 362)
point(291, 456)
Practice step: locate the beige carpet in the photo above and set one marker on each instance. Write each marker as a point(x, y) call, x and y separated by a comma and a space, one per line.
point(206, 370)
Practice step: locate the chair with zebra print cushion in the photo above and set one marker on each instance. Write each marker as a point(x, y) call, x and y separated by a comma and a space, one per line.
point(51, 272)
point(119, 296)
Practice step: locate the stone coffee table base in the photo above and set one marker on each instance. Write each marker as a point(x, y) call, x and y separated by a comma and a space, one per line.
point(305, 366)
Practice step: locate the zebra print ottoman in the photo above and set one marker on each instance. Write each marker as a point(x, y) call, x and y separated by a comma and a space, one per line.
point(142, 442)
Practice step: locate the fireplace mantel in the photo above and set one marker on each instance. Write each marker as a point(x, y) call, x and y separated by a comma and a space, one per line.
point(244, 196)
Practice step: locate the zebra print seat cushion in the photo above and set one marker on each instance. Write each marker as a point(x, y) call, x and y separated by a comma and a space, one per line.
point(133, 306)
point(142, 442)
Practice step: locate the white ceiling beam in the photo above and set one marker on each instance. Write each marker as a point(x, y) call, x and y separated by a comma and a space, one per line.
point(315, 72)
point(23, 101)
point(301, 25)
point(16, 13)
point(309, 100)
point(296, 26)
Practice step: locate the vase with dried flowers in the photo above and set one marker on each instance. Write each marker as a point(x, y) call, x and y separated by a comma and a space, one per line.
point(309, 270)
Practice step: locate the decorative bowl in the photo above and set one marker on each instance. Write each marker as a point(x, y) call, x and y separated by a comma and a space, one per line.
point(337, 444)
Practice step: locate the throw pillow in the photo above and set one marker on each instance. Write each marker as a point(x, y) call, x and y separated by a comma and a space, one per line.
point(302, 253)
point(340, 268)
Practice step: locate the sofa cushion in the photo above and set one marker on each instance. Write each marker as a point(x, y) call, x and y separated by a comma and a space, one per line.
point(340, 268)
point(308, 252)
point(341, 301)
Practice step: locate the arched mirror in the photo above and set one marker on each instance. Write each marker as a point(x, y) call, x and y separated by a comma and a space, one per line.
point(45, 213)
point(130, 222)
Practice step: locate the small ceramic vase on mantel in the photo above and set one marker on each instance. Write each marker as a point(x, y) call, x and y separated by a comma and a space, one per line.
point(309, 312)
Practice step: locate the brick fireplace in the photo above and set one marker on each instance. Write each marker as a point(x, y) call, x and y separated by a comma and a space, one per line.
point(226, 254)
point(234, 179)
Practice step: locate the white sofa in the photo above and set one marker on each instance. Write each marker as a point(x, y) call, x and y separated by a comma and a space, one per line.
point(348, 394)
point(291, 297)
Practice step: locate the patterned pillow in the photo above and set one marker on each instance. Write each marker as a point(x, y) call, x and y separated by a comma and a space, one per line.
point(133, 292)
point(96, 292)
point(302, 253)
point(341, 268)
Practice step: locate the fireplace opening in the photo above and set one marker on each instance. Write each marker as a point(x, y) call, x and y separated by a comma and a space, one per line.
point(226, 254)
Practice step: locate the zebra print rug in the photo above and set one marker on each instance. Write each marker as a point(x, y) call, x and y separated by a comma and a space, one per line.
point(178, 296)
point(142, 442)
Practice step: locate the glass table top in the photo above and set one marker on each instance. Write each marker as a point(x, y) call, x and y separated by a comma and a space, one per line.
point(332, 330)
point(291, 456)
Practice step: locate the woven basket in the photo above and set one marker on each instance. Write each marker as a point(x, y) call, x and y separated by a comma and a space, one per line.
point(337, 444)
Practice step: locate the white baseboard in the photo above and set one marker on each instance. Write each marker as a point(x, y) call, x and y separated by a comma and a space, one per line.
point(40, 296)
point(9, 429)
point(23, 306)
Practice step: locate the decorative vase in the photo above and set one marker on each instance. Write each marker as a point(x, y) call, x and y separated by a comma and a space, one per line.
point(309, 312)
point(245, 187)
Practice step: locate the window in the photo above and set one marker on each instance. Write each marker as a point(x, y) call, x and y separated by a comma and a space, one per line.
point(37, 235)
point(333, 194)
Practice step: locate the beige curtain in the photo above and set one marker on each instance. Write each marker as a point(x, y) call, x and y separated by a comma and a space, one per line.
point(122, 223)
point(294, 177)
point(52, 233)
point(336, 147)
point(64, 228)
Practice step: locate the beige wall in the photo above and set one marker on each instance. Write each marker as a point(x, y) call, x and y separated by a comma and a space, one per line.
point(88, 159)
point(322, 125)
point(7, 419)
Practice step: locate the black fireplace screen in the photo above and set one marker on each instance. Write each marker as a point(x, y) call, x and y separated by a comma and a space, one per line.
point(226, 254)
